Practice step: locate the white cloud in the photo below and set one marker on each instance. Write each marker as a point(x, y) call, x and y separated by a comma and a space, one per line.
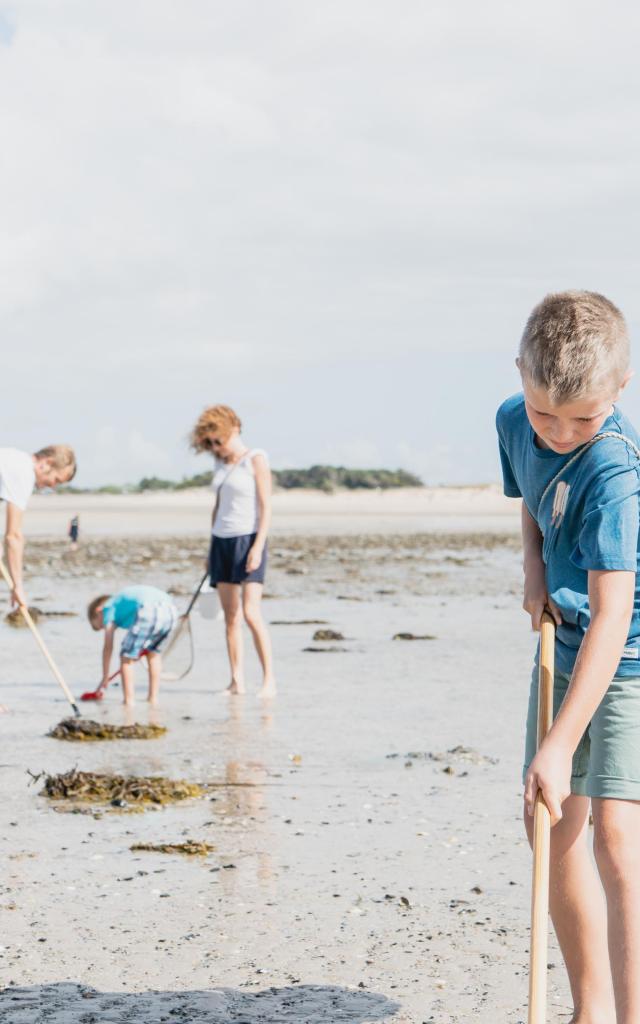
point(149, 456)
point(117, 455)
point(205, 199)
point(358, 452)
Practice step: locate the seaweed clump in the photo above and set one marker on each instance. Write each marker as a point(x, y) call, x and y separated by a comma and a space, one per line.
point(192, 848)
point(413, 636)
point(119, 790)
point(327, 634)
point(16, 619)
point(325, 650)
point(84, 729)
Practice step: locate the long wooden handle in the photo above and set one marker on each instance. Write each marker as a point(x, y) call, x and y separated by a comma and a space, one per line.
point(541, 839)
point(40, 642)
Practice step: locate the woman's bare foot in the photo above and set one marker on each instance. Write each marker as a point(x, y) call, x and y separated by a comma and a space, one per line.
point(268, 689)
point(234, 688)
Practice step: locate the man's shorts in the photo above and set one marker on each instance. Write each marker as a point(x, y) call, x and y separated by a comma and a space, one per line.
point(228, 560)
point(150, 630)
point(607, 760)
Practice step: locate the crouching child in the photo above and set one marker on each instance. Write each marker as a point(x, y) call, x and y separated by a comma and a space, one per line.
point(148, 614)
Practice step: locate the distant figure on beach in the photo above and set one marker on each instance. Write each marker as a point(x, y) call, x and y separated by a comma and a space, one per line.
point(239, 527)
point(20, 472)
point(74, 531)
point(148, 614)
point(573, 458)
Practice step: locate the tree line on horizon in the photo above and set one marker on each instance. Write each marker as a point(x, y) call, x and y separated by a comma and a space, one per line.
point(320, 478)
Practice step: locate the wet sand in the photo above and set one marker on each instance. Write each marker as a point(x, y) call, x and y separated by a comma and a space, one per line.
point(364, 873)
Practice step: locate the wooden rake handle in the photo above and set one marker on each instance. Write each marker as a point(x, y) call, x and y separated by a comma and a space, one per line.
point(40, 642)
point(541, 838)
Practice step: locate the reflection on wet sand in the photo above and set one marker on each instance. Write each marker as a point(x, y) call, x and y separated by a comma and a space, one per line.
point(244, 805)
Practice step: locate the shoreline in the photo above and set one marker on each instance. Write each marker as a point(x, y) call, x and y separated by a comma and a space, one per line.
point(369, 817)
point(180, 513)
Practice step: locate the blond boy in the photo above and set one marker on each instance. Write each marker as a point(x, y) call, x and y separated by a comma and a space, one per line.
point(148, 614)
point(580, 537)
point(20, 472)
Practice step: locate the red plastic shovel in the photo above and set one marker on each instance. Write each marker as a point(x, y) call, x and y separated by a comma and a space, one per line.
point(99, 693)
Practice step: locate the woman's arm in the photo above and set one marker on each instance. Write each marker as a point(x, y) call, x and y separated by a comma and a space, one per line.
point(263, 496)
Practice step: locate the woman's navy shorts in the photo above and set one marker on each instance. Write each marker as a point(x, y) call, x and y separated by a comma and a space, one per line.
point(228, 560)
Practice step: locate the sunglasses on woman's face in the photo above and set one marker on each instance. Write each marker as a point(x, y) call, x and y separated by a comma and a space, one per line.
point(213, 442)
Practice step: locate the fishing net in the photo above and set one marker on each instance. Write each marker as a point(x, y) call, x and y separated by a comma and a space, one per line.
point(178, 654)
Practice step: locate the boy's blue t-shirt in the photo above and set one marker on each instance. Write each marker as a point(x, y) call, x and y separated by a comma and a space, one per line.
point(122, 609)
point(588, 518)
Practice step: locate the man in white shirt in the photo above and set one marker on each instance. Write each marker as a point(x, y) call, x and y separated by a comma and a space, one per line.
point(20, 472)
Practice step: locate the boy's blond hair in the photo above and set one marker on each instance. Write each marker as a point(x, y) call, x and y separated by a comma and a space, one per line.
point(217, 419)
point(94, 606)
point(61, 456)
point(574, 343)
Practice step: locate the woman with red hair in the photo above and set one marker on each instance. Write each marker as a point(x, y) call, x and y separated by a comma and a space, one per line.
point(239, 527)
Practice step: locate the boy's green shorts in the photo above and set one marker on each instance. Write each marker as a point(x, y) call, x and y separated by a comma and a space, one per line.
point(607, 760)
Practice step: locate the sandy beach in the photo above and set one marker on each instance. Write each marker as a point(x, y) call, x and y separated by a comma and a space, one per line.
point(369, 860)
point(403, 510)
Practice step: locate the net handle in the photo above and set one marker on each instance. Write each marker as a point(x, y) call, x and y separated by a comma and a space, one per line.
point(196, 594)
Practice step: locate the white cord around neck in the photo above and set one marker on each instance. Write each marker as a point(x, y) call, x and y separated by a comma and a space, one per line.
point(576, 456)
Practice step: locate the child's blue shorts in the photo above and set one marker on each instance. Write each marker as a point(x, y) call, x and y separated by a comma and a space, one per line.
point(150, 630)
point(228, 560)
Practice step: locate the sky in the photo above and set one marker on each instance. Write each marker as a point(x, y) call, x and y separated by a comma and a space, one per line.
point(334, 217)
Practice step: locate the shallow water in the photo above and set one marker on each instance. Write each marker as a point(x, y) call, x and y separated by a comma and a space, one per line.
point(339, 866)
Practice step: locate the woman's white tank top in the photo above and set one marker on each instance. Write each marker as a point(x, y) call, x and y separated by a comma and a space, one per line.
point(235, 488)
